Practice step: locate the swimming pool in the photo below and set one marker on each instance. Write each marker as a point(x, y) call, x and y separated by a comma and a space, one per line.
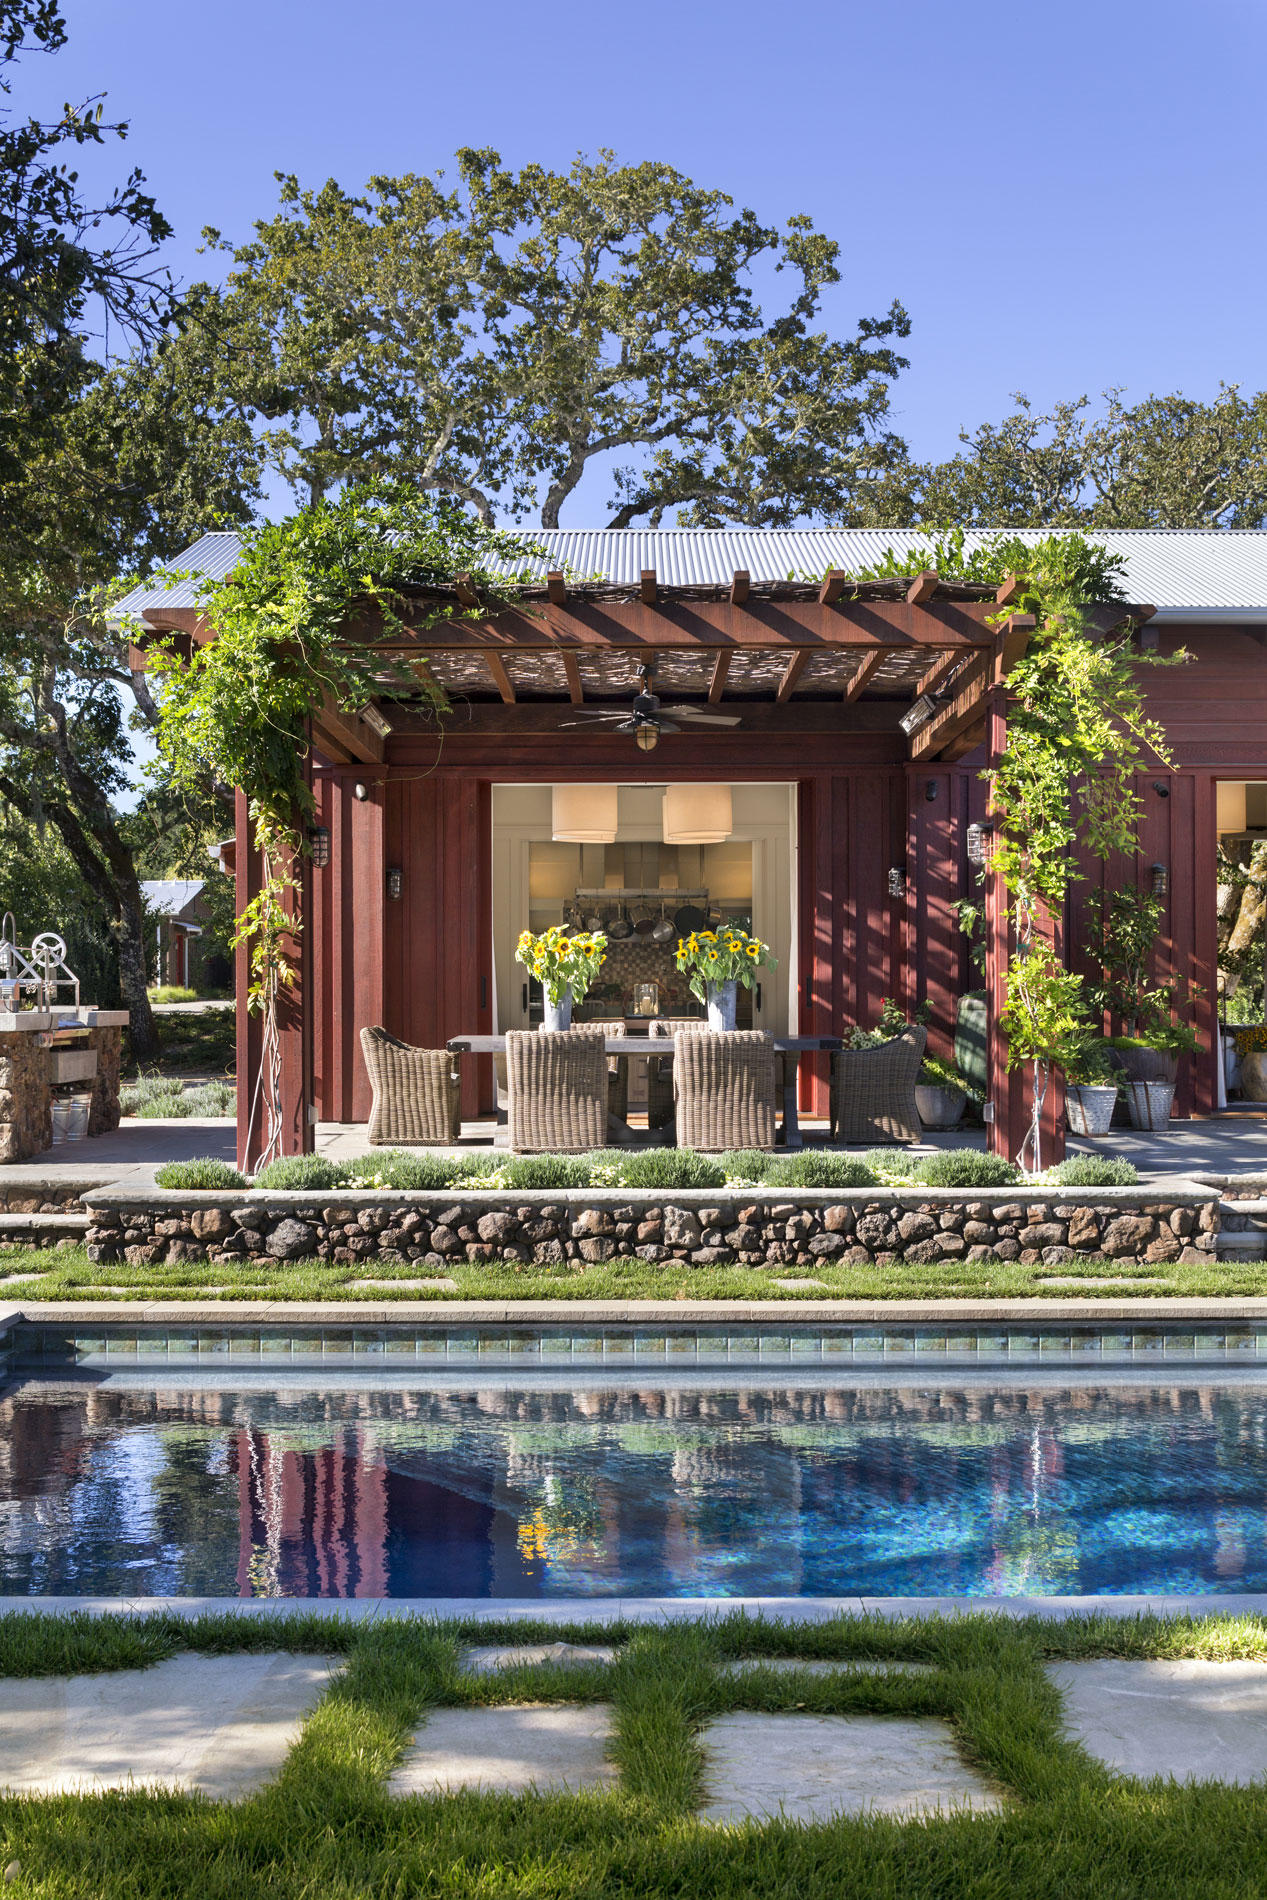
point(876, 1479)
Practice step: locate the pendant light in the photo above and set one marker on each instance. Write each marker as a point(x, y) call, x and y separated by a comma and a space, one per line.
point(583, 814)
point(697, 814)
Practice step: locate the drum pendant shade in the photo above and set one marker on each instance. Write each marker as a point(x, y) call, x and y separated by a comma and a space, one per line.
point(697, 814)
point(583, 814)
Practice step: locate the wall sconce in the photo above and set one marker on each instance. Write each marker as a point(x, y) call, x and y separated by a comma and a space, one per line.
point(360, 791)
point(897, 881)
point(319, 845)
point(1162, 790)
point(980, 841)
point(1160, 880)
point(395, 882)
point(930, 790)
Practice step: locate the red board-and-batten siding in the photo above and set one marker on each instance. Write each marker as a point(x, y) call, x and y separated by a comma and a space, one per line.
point(422, 964)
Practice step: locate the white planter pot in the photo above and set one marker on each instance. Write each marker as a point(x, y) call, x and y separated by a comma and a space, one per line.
point(1089, 1107)
point(558, 1015)
point(1150, 1104)
point(1231, 1062)
point(939, 1107)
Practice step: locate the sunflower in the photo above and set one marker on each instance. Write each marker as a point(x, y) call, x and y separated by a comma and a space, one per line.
point(754, 951)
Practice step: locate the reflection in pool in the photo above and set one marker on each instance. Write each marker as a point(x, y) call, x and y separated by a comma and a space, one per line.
point(179, 1485)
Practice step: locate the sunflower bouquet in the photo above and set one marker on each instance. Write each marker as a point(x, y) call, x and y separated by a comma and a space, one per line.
point(722, 956)
point(562, 960)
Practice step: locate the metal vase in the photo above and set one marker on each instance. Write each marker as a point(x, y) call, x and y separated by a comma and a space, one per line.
point(723, 999)
point(558, 1015)
point(1089, 1107)
point(1150, 1104)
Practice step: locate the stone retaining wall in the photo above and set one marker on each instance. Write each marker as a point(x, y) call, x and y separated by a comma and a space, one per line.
point(755, 1227)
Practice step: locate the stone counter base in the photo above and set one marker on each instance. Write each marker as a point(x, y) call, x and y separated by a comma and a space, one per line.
point(775, 1227)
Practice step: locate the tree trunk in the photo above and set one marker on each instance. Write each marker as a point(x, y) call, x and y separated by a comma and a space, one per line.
point(142, 1028)
point(1249, 921)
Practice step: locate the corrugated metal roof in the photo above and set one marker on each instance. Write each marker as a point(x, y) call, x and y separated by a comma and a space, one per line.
point(1187, 573)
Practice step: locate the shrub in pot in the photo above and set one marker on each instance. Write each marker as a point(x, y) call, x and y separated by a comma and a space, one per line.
point(1090, 1088)
point(941, 1093)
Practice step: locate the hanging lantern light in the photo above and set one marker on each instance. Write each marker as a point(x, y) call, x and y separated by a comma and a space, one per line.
point(583, 814)
point(697, 814)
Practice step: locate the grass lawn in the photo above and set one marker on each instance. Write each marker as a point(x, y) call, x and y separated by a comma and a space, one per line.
point(327, 1830)
point(192, 1042)
point(70, 1275)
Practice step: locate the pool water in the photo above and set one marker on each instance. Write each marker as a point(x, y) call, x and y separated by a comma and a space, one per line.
point(973, 1484)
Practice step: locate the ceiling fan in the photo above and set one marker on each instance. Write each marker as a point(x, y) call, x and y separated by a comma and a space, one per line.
point(646, 719)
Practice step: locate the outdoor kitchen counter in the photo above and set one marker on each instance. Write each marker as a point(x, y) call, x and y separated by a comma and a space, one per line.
point(26, 1074)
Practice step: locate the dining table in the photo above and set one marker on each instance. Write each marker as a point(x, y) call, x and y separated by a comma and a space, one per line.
point(791, 1047)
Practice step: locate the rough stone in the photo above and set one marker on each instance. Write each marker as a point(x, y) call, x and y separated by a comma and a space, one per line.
point(1128, 1234)
point(1044, 1234)
point(825, 1246)
point(681, 1228)
point(838, 1220)
point(594, 1220)
point(211, 1223)
point(597, 1249)
point(444, 1240)
point(499, 1227)
point(290, 1240)
point(1084, 1229)
point(913, 1227)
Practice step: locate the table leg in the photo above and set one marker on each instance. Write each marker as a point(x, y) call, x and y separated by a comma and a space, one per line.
point(791, 1130)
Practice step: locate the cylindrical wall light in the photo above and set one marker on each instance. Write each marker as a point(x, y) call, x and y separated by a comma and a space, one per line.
point(697, 814)
point(583, 814)
point(980, 843)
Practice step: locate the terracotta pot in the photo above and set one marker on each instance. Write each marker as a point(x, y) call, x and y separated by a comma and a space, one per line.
point(1254, 1076)
point(1089, 1107)
point(939, 1107)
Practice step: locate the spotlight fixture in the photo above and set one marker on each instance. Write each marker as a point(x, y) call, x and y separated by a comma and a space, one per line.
point(919, 714)
point(1162, 790)
point(1161, 881)
point(360, 791)
point(930, 790)
point(395, 881)
point(897, 881)
point(319, 845)
point(979, 842)
point(374, 719)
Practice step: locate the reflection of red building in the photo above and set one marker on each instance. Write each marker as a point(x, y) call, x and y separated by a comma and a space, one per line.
point(311, 1523)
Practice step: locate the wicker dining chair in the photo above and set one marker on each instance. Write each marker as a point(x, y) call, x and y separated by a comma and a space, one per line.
point(660, 1069)
point(723, 1084)
point(557, 1087)
point(617, 1069)
point(873, 1090)
point(417, 1096)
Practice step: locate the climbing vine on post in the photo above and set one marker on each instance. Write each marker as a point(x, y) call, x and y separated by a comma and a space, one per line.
point(287, 643)
point(1077, 733)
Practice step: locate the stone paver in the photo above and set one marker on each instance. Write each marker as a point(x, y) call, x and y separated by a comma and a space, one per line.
point(487, 1661)
point(811, 1767)
point(554, 1749)
point(1196, 1721)
point(848, 1665)
point(1100, 1279)
point(441, 1284)
point(222, 1724)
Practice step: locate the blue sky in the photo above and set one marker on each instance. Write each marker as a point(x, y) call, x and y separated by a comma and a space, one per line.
point(1065, 198)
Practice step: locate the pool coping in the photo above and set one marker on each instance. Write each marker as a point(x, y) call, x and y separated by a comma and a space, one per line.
point(222, 1313)
point(641, 1609)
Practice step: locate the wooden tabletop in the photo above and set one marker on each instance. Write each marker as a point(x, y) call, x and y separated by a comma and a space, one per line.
point(661, 1046)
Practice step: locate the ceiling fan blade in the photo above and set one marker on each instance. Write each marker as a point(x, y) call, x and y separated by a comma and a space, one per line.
point(704, 718)
point(666, 725)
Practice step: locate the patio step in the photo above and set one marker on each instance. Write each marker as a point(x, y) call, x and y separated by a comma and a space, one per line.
point(1242, 1230)
point(42, 1230)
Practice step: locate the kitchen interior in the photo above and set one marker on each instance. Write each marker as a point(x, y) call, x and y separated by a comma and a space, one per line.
point(646, 865)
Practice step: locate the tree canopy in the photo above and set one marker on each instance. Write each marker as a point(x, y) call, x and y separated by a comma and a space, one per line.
point(491, 340)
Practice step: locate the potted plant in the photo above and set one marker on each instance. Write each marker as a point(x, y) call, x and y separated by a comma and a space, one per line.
point(1124, 925)
point(1090, 1088)
point(717, 962)
point(1151, 1065)
point(942, 1093)
point(566, 964)
point(1044, 1014)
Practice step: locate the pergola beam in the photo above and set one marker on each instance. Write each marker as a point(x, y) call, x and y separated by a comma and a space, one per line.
point(572, 673)
point(739, 587)
point(792, 672)
point(344, 738)
point(833, 586)
point(721, 670)
point(923, 587)
point(647, 587)
point(556, 587)
point(501, 678)
point(871, 662)
point(937, 674)
point(467, 596)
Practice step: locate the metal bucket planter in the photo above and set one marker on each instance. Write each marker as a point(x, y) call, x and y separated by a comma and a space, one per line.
point(70, 1117)
point(557, 1015)
point(1149, 1065)
point(723, 1003)
point(1231, 1062)
point(1150, 1104)
point(1089, 1107)
point(938, 1107)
